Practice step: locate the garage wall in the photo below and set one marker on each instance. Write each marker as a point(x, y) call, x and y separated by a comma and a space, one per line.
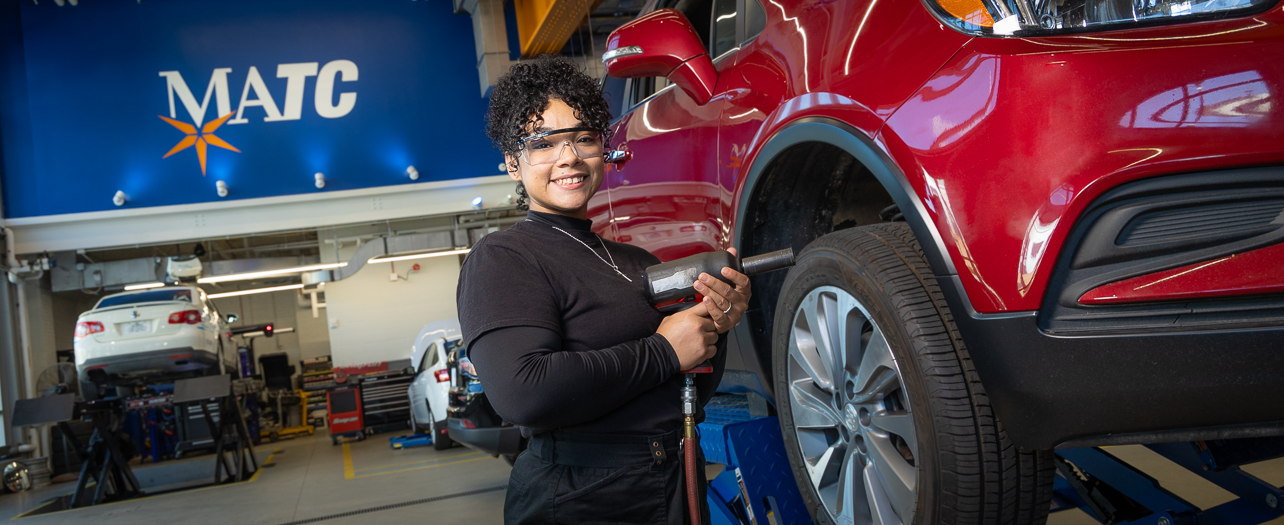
point(374, 319)
point(67, 308)
point(282, 309)
point(38, 298)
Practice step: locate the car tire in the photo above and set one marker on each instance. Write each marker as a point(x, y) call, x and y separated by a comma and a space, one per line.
point(88, 390)
point(416, 426)
point(880, 407)
point(440, 438)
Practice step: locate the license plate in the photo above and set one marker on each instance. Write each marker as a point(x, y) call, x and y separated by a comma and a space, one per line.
point(136, 327)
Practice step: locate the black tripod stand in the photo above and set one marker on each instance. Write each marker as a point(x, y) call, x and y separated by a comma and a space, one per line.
point(102, 461)
point(231, 435)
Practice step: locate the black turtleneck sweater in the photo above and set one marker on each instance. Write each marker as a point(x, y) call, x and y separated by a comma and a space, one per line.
point(563, 342)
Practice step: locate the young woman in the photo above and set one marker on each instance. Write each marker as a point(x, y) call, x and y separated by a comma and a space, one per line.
point(558, 323)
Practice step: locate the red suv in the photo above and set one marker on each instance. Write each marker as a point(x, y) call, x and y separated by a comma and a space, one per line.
point(1022, 225)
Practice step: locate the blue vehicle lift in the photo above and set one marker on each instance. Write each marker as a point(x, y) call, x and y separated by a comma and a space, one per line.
point(756, 479)
point(1114, 492)
point(410, 440)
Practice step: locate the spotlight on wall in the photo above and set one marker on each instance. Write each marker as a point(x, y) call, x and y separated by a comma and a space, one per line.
point(412, 173)
point(320, 180)
point(503, 167)
point(120, 198)
point(221, 187)
point(477, 202)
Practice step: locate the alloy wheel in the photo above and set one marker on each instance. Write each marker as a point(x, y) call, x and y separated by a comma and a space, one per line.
point(852, 420)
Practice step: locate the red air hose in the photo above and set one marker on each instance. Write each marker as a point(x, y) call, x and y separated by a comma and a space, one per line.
point(693, 483)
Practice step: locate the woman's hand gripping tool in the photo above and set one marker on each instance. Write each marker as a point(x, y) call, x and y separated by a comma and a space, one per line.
point(672, 288)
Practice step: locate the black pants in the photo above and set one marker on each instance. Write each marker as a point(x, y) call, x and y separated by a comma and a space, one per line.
point(596, 478)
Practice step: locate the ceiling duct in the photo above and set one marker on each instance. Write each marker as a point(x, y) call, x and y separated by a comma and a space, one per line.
point(397, 245)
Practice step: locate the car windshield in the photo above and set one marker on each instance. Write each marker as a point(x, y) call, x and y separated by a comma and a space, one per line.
point(150, 296)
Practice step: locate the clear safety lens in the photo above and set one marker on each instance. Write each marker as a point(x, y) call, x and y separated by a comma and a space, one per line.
point(546, 148)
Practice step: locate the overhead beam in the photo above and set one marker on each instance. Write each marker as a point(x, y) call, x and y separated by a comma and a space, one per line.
point(544, 26)
point(186, 222)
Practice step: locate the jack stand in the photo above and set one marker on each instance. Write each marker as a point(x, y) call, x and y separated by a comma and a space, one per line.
point(102, 459)
point(231, 435)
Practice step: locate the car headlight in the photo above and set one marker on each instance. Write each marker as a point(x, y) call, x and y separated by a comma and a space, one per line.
point(1044, 17)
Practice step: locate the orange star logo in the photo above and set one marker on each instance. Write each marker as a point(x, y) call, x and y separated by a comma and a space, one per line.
point(201, 140)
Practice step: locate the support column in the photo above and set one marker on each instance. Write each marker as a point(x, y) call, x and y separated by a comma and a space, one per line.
point(490, 38)
point(9, 360)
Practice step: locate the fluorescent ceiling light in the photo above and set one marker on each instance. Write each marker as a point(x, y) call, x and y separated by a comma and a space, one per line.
point(256, 290)
point(270, 273)
point(384, 258)
point(133, 287)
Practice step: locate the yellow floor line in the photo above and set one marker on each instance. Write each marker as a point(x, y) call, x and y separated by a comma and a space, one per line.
point(348, 473)
point(447, 458)
point(252, 479)
point(266, 462)
point(421, 468)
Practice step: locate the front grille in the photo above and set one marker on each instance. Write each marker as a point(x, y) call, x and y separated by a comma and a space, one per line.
point(1235, 219)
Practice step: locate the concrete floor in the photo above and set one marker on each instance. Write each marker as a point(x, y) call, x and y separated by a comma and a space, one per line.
point(310, 478)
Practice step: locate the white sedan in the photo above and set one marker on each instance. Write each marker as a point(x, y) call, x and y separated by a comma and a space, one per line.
point(428, 393)
point(149, 336)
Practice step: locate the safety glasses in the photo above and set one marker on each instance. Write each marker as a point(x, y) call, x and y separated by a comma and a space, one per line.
point(546, 147)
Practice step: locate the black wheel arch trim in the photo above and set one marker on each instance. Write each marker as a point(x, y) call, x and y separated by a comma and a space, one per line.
point(855, 143)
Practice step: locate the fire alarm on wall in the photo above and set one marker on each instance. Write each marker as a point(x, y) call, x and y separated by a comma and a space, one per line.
point(415, 267)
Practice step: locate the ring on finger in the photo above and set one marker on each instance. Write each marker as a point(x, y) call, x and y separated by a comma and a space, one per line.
point(728, 310)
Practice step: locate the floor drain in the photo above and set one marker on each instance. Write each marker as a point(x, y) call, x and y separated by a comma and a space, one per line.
point(396, 505)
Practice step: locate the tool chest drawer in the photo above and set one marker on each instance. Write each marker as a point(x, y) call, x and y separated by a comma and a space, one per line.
point(385, 402)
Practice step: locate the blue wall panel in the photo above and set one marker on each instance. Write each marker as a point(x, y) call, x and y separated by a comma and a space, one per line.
point(15, 122)
point(95, 95)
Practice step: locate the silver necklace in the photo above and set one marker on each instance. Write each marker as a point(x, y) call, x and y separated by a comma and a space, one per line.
point(590, 248)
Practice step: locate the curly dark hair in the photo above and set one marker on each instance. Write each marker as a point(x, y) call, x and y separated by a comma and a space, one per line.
point(522, 94)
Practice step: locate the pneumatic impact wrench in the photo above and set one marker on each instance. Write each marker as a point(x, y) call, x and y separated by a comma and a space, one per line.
point(671, 286)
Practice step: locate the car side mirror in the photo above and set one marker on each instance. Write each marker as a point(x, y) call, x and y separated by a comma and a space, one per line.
point(664, 44)
point(231, 318)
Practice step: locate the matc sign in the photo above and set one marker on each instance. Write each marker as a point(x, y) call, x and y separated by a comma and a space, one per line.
point(167, 101)
point(256, 95)
point(296, 76)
